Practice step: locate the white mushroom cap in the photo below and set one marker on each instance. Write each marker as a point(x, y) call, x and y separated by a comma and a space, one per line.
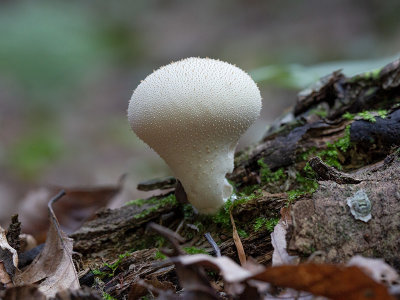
point(192, 113)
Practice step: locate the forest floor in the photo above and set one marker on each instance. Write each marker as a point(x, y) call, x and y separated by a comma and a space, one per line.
point(317, 196)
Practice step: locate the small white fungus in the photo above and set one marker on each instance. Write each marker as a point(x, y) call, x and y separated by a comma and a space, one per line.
point(192, 113)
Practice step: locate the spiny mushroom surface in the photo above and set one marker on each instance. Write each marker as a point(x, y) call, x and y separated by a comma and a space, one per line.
point(192, 113)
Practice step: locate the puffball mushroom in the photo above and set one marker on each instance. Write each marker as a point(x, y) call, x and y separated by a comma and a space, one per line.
point(192, 113)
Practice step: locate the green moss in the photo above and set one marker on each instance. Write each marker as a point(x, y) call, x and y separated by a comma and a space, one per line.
point(367, 116)
point(248, 190)
point(267, 176)
point(188, 212)
point(222, 217)
point(330, 155)
point(305, 180)
point(271, 223)
point(307, 184)
point(107, 296)
point(100, 274)
point(267, 223)
point(110, 272)
point(348, 116)
point(137, 202)
point(294, 194)
point(242, 233)
point(158, 255)
point(382, 113)
point(159, 241)
point(374, 74)
point(344, 143)
point(319, 112)
point(258, 223)
point(158, 203)
point(194, 250)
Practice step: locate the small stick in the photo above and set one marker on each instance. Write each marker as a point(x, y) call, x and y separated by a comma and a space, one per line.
point(238, 242)
point(213, 244)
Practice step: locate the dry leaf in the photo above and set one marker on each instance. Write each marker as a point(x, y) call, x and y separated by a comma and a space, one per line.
point(332, 281)
point(278, 240)
point(238, 242)
point(53, 268)
point(377, 269)
point(5, 279)
point(230, 270)
point(78, 205)
point(8, 255)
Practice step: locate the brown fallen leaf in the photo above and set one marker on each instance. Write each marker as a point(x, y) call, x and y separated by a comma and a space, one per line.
point(53, 269)
point(332, 281)
point(8, 255)
point(376, 268)
point(78, 205)
point(5, 279)
point(238, 242)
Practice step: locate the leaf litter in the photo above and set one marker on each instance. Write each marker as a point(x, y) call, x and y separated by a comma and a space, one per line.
point(51, 271)
point(258, 282)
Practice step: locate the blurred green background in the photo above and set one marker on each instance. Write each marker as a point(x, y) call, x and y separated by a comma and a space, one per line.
point(68, 69)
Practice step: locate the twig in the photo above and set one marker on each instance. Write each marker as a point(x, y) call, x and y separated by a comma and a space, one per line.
point(213, 244)
point(325, 172)
point(238, 242)
point(172, 236)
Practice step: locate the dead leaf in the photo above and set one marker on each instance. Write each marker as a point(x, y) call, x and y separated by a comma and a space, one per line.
point(280, 255)
point(8, 255)
point(238, 242)
point(230, 270)
point(5, 279)
point(377, 269)
point(53, 268)
point(78, 205)
point(332, 281)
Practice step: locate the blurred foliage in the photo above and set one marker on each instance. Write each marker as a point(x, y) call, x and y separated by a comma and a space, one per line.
point(296, 76)
point(49, 48)
point(33, 152)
